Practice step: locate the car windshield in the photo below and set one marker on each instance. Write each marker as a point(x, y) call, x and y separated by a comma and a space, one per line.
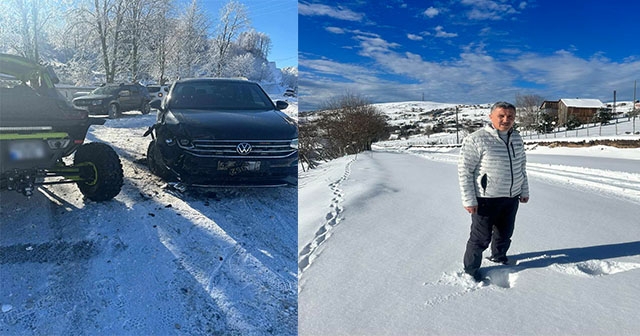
point(105, 90)
point(220, 95)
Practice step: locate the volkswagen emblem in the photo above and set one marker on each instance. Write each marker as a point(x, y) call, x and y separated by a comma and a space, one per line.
point(243, 148)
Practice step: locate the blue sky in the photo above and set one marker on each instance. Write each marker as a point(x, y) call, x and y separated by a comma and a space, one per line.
point(468, 51)
point(276, 18)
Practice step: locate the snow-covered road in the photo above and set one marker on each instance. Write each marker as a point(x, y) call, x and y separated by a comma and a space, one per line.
point(151, 261)
point(391, 262)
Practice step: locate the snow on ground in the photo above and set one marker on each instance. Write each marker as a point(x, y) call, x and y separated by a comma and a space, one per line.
point(151, 261)
point(382, 234)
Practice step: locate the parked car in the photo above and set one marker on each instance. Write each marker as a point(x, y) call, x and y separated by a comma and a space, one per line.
point(38, 128)
point(289, 93)
point(220, 132)
point(113, 99)
point(157, 92)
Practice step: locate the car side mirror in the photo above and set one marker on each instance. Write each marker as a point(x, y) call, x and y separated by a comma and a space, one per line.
point(281, 105)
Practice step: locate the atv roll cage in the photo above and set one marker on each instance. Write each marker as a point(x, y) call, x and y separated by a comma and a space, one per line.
point(38, 128)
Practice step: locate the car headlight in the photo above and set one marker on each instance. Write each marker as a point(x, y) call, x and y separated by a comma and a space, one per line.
point(294, 144)
point(170, 141)
point(96, 102)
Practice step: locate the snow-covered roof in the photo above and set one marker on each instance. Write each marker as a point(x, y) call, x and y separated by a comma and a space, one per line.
point(588, 103)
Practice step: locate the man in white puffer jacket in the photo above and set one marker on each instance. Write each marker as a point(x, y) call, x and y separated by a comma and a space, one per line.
point(493, 180)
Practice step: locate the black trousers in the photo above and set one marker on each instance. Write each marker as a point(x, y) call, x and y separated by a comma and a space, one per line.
point(492, 224)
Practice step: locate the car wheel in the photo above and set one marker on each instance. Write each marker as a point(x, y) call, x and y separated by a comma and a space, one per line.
point(101, 173)
point(114, 111)
point(155, 164)
point(146, 108)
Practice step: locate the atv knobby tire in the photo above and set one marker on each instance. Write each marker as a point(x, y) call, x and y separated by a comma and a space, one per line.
point(155, 165)
point(102, 171)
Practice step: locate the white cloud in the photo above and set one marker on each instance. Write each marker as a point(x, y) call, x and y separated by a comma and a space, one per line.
point(335, 30)
point(372, 44)
point(414, 37)
point(431, 12)
point(474, 76)
point(441, 33)
point(324, 10)
point(488, 10)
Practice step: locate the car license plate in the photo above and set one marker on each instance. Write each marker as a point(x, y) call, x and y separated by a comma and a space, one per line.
point(26, 150)
point(239, 165)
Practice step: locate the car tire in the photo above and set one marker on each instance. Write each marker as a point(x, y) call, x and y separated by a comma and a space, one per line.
point(100, 171)
point(154, 162)
point(114, 111)
point(146, 108)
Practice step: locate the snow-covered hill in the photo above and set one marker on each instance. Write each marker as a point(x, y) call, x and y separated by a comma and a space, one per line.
point(421, 115)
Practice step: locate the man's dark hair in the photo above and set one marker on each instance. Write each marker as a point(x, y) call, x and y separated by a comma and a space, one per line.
point(504, 105)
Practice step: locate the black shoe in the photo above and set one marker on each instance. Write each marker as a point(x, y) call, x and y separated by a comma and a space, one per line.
point(499, 260)
point(475, 275)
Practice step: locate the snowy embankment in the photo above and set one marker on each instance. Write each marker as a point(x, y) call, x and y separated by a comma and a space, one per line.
point(381, 238)
point(151, 261)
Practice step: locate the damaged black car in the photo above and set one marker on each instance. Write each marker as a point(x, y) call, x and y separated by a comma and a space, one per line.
point(223, 132)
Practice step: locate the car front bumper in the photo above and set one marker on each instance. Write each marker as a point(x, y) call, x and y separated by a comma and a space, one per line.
point(207, 171)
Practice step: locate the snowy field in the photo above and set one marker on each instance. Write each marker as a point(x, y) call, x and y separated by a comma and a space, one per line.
point(382, 235)
point(151, 261)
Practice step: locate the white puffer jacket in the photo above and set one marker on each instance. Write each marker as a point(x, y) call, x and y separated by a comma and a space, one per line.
point(489, 167)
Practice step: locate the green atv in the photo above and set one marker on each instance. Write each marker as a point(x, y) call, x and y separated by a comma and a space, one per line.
point(38, 128)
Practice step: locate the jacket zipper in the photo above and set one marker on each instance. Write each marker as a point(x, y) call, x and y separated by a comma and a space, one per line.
point(510, 162)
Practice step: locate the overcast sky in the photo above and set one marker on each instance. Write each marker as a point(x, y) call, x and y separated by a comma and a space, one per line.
point(469, 51)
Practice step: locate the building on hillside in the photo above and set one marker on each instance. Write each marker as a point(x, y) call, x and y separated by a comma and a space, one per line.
point(549, 107)
point(583, 109)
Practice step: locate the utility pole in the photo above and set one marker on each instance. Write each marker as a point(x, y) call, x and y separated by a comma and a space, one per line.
point(613, 112)
point(457, 136)
point(634, 112)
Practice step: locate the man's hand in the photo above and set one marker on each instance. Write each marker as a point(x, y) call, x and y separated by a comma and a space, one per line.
point(524, 199)
point(472, 209)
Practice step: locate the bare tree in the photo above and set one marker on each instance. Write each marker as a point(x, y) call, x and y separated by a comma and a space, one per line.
point(350, 124)
point(24, 25)
point(107, 17)
point(258, 44)
point(191, 43)
point(159, 42)
point(289, 77)
point(528, 110)
point(233, 19)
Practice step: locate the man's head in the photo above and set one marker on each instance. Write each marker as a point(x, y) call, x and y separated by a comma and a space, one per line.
point(502, 116)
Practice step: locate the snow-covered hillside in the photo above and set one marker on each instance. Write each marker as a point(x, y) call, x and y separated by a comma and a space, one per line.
point(422, 115)
point(152, 261)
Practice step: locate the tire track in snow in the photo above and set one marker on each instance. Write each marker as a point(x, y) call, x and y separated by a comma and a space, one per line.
point(622, 185)
point(308, 253)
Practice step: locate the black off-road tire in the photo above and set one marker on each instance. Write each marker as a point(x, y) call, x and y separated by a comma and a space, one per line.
point(101, 170)
point(146, 108)
point(113, 111)
point(154, 162)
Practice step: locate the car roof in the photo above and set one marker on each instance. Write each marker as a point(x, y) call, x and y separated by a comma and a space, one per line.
point(208, 79)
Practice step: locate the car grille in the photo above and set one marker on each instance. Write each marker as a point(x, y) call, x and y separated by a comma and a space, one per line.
point(276, 149)
point(82, 103)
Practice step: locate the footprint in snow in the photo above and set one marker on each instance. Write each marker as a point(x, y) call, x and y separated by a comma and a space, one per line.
point(595, 267)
